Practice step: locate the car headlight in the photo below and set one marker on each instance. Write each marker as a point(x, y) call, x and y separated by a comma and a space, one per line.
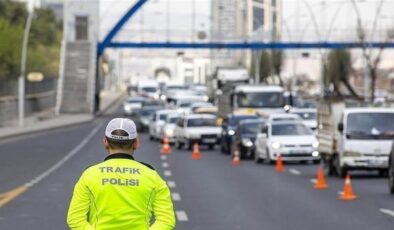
point(315, 144)
point(275, 145)
point(169, 132)
point(127, 107)
point(247, 142)
point(315, 153)
point(206, 98)
point(163, 97)
point(231, 132)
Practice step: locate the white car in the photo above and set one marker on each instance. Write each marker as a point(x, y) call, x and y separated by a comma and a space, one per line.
point(293, 140)
point(197, 128)
point(168, 129)
point(308, 116)
point(183, 106)
point(132, 104)
point(158, 121)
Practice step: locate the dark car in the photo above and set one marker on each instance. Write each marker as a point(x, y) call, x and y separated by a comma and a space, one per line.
point(391, 170)
point(246, 135)
point(142, 117)
point(229, 127)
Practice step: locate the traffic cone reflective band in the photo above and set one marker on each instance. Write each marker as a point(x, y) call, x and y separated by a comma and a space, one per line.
point(165, 149)
point(196, 155)
point(321, 181)
point(279, 164)
point(347, 191)
point(236, 158)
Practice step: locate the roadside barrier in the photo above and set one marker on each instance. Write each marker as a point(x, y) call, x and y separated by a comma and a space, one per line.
point(279, 164)
point(236, 159)
point(347, 194)
point(321, 181)
point(196, 155)
point(166, 148)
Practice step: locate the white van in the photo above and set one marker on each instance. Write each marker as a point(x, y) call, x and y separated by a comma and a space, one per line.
point(148, 88)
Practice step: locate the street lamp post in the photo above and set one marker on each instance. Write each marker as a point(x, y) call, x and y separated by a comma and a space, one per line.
point(21, 80)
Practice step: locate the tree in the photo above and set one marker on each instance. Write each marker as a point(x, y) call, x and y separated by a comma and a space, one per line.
point(10, 48)
point(265, 67)
point(337, 70)
point(277, 58)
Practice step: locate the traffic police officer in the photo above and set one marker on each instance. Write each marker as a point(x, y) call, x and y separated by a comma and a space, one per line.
point(121, 193)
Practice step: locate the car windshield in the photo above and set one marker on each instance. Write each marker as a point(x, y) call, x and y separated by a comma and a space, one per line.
point(135, 100)
point(251, 127)
point(290, 130)
point(234, 120)
point(149, 89)
point(147, 112)
point(307, 115)
point(185, 104)
point(198, 122)
point(172, 120)
point(163, 117)
point(260, 100)
point(370, 125)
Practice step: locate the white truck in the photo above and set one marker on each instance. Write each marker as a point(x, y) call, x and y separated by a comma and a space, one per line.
point(354, 138)
point(252, 99)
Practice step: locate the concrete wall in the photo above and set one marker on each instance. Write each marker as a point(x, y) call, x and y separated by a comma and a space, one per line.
point(34, 103)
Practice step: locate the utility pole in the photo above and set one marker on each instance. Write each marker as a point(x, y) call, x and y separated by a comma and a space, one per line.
point(22, 76)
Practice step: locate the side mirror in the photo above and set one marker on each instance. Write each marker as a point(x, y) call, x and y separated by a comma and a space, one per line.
point(340, 127)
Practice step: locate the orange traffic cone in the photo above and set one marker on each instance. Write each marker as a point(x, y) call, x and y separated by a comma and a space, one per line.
point(165, 149)
point(321, 181)
point(236, 158)
point(347, 191)
point(196, 155)
point(279, 164)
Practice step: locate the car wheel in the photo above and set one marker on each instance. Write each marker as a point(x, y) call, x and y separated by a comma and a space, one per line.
point(222, 147)
point(391, 179)
point(151, 137)
point(340, 171)
point(243, 152)
point(383, 172)
point(211, 146)
point(316, 162)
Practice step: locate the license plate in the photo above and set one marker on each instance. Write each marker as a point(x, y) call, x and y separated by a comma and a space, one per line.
point(296, 152)
point(211, 140)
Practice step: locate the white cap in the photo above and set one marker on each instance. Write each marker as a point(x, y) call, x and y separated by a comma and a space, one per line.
point(124, 124)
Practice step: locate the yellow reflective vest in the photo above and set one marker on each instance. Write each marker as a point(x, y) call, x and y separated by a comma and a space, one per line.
point(121, 193)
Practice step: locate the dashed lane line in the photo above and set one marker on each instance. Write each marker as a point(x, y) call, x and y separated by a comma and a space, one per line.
point(11, 195)
point(181, 216)
point(171, 184)
point(387, 212)
point(167, 173)
point(295, 172)
point(163, 157)
point(176, 196)
point(164, 165)
point(313, 181)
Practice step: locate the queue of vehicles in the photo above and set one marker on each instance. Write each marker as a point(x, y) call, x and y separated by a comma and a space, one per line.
point(261, 123)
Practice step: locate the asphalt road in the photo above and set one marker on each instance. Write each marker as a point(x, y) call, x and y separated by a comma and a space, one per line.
point(208, 194)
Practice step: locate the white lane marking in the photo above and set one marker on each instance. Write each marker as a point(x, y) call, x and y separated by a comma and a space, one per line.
point(171, 184)
point(313, 181)
point(176, 196)
point(164, 165)
point(340, 193)
point(295, 172)
point(167, 173)
point(387, 212)
point(163, 157)
point(64, 159)
point(181, 216)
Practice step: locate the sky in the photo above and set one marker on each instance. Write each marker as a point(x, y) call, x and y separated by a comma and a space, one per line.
point(303, 20)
